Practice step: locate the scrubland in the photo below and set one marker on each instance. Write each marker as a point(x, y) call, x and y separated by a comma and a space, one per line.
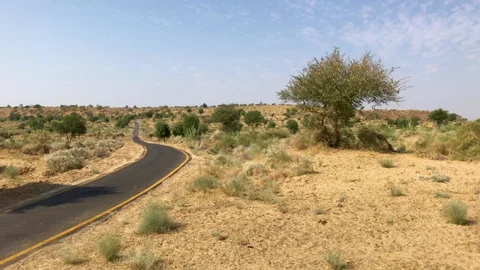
point(398, 194)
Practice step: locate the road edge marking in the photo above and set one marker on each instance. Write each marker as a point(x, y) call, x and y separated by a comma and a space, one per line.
point(90, 220)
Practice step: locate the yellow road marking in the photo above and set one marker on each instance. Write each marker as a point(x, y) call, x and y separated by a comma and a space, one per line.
point(71, 229)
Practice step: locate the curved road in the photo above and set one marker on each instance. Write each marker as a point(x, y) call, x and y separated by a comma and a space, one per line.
point(31, 226)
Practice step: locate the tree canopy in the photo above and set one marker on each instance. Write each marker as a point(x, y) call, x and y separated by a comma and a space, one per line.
point(253, 118)
point(71, 125)
point(335, 86)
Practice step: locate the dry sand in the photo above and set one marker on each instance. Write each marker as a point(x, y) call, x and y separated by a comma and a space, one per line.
point(350, 186)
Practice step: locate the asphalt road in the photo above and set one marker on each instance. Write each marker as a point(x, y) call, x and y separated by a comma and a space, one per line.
point(23, 228)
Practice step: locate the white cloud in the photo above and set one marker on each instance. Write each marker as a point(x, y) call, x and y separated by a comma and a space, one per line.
point(310, 34)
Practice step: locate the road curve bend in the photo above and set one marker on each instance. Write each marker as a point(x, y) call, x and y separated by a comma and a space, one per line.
point(36, 224)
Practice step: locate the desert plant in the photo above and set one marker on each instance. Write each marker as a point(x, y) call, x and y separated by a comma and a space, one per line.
point(253, 119)
point(335, 260)
point(155, 220)
point(178, 129)
point(442, 195)
point(71, 126)
point(277, 155)
point(335, 86)
point(218, 236)
point(144, 261)
point(396, 191)
point(318, 211)
point(292, 126)
point(271, 124)
point(65, 160)
point(162, 130)
point(10, 172)
point(304, 166)
point(204, 183)
point(72, 257)
point(108, 246)
point(235, 186)
point(440, 178)
point(229, 117)
point(386, 163)
point(439, 116)
point(455, 212)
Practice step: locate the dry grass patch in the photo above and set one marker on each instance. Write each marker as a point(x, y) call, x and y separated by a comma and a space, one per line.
point(303, 167)
point(145, 261)
point(455, 212)
point(109, 246)
point(396, 191)
point(386, 163)
point(10, 172)
point(204, 184)
point(72, 257)
point(441, 195)
point(155, 219)
point(335, 260)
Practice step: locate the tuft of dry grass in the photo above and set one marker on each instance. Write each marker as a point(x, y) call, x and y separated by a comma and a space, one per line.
point(335, 259)
point(455, 212)
point(155, 220)
point(72, 257)
point(204, 184)
point(386, 163)
point(442, 195)
point(10, 172)
point(218, 236)
point(144, 261)
point(303, 167)
point(396, 191)
point(109, 246)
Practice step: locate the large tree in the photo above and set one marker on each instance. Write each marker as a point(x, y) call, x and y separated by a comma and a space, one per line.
point(335, 86)
point(71, 125)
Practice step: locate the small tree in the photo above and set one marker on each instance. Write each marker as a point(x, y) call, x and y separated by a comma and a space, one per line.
point(177, 129)
point(162, 130)
point(253, 119)
point(190, 125)
point(439, 116)
point(334, 87)
point(204, 105)
point(292, 125)
point(71, 125)
point(229, 117)
point(200, 111)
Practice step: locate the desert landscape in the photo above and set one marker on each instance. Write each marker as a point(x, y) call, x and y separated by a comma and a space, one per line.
point(274, 197)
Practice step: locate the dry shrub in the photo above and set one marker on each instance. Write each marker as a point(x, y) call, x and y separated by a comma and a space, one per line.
point(466, 146)
point(10, 172)
point(65, 160)
point(455, 212)
point(335, 260)
point(72, 257)
point(303, 167)
point(57, 146)
point(370, 140)
point(35, 149)
point(204, 184)
point(236, 186)
point(276, 155)
point(144, 261)
point(301, 142)
point(256, 170)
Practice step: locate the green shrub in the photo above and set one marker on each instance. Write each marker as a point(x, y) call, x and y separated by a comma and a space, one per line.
point(271, 124)
point(292, 126)
point(155, 220)
point(226, 143)
point(162, 130)
point(190, 123)
point(178, 129)
point(204, 183)
point(10, 172)
point(335, 260)
point(386, 163)
point(229, 117)
point(108, 246)
point(200, 111)
point(254, 119)
point(455, 212)
point(371, 140)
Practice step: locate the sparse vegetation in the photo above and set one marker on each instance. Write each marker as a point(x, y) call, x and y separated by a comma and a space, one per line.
point(442, 195)
point(204, 183)
point(144, 261)
point(10, 172)
point(335, 260)
point(440, 178)
point(218, 236)
point(72, 257)
point(396, 191)
point(455, 212)
point(109, 246)
point(386, 163)
point(292, 126)
point(155, 219)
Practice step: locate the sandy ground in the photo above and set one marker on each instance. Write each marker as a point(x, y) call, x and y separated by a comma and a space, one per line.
point(33, 180)
point(350, 186)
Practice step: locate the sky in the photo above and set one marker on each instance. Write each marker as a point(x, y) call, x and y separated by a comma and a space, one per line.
point(179, 52)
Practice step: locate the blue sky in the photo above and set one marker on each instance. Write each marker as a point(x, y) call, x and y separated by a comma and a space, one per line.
point(151, 53)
